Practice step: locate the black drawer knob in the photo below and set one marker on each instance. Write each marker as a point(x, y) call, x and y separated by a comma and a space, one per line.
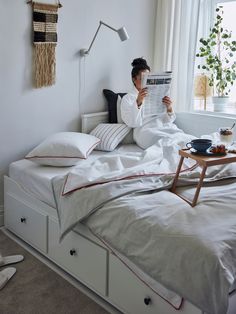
point(23, 219)
point(72, 252)
point(147, 300)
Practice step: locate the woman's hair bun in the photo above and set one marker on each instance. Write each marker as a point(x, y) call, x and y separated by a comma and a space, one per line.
point(139, 62)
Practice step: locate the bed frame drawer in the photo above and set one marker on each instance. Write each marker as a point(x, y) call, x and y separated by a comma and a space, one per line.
point(29, 224)
point(135, 297)
point(82, 258)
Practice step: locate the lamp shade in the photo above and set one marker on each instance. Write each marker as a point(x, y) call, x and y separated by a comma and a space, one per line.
point(202, 89)
point(123, 34)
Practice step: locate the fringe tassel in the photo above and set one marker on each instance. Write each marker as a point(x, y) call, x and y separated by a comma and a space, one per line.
point(44, 64)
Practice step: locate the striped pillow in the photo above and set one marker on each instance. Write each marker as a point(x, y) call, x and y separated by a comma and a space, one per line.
point(110, 134)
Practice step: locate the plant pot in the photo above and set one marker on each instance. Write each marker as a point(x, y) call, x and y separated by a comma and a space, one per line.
point(220, 102)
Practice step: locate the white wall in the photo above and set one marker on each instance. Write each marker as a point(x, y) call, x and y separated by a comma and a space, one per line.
point(28, 115)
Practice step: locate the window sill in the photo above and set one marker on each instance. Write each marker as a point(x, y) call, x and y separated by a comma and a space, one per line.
point(229, 109)
point(217, 114)
point(199, 122)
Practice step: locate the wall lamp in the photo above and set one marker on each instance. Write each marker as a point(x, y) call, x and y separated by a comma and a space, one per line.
point(121, 32)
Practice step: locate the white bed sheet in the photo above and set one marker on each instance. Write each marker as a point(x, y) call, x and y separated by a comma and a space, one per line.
point(37, 180)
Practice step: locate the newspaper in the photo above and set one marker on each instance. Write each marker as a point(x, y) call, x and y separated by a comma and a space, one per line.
point(158, 85)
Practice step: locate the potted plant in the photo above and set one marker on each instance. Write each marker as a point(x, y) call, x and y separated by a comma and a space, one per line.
point(218, 54)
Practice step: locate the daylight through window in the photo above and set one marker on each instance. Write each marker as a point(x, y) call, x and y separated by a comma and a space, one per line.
point(202, 93)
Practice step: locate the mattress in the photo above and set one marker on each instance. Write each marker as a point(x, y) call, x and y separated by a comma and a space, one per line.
point(37, 180)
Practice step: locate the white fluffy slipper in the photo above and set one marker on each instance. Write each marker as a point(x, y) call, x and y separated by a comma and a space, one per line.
point(6, 260)
point(5, 275)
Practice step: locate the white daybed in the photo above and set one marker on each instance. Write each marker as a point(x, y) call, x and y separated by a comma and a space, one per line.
point(81, 254)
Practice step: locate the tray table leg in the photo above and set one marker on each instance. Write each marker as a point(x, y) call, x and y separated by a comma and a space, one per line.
point(202, 176)
point(173, 188)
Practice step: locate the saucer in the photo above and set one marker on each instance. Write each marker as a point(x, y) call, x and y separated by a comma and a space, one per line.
point(206, 153)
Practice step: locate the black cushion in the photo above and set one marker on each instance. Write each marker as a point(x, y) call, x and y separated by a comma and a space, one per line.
point(111, 98)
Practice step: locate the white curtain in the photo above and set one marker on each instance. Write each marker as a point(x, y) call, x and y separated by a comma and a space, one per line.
point(177, 23)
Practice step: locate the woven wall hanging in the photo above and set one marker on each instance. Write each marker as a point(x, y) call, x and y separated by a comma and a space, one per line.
point(45, 19)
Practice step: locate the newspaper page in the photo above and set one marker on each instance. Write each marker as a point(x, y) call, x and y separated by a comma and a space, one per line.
point(158, 85)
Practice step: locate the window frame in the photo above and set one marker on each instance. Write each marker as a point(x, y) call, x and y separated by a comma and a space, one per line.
point(213, 5)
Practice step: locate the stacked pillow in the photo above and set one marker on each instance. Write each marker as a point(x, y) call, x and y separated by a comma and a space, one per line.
point(114, 113)
point(113, 104)
point(63, 149)
point(110, 134)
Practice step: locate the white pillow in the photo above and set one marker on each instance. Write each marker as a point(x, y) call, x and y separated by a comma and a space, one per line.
point(110, 134)
point(118, 110)
point(63, 149)
point(129, 138)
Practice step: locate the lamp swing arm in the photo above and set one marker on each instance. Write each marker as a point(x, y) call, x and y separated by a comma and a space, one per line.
point(101, 22)
point(121, 32)
point(94, 37)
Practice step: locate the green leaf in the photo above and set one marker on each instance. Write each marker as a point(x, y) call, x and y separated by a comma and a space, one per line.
point(222, 73)
point(225, 35)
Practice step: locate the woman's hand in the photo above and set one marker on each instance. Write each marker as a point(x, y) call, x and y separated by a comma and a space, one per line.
point(141, 95)
point(168, 102)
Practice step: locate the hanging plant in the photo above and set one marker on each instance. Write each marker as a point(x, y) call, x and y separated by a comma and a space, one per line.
point(218, 52)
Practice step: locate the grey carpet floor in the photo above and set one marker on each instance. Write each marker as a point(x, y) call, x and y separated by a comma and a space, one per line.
point(36, 289)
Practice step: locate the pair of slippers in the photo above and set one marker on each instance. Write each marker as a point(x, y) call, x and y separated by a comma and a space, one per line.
point(7, 273)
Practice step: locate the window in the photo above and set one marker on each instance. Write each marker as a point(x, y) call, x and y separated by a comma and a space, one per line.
point(229, 7)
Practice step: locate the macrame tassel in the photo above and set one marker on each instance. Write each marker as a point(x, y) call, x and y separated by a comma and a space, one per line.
point(44, 64)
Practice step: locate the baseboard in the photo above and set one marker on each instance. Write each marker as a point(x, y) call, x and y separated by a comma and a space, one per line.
point(1, 215)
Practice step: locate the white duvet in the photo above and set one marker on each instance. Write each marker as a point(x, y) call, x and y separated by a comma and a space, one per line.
point(124, 200)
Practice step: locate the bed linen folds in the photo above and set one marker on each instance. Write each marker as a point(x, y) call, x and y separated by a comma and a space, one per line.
point(125, 201)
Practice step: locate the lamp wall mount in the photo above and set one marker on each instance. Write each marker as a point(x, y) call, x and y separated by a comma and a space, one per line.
point(121, 32)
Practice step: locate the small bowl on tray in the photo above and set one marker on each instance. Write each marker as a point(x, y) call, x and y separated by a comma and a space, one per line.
point(215, 150)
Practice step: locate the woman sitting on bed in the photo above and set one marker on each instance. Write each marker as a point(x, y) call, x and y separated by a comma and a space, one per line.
point(148, 128)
